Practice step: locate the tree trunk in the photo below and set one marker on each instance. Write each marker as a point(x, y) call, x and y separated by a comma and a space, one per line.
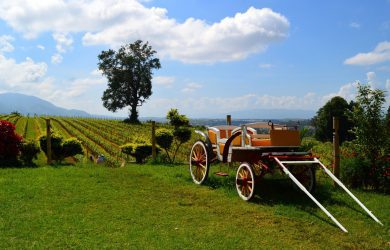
point(133, 114)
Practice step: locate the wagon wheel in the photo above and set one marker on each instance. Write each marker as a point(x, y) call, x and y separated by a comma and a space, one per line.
point(305, 175)
point(245, 181)
point(199, 162)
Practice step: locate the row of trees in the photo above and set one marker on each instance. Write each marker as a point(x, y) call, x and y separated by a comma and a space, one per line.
point(365, 131)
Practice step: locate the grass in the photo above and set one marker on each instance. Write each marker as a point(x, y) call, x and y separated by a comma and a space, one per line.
point(158, 207)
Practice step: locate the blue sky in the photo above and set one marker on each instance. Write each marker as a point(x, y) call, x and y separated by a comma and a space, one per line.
point(217, 56)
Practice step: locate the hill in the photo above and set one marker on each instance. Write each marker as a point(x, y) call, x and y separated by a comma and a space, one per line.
point(26, 104)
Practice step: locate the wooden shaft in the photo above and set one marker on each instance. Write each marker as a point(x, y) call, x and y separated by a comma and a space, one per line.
point(48, 141)
point(154, 151)
point(336, 148)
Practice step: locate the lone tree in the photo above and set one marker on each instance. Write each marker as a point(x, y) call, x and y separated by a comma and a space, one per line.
point(129, 74)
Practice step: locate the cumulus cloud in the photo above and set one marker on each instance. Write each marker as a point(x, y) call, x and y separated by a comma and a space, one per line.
point(346, 91)
point(5, 43)
point(380, 54)
point(56, 58)
point(64, 41)
point(191, 87)
point(166, 81)
point(15, 74)
point(114, 22)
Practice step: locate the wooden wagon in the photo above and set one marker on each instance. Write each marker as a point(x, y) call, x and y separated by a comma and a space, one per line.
point(260, 148)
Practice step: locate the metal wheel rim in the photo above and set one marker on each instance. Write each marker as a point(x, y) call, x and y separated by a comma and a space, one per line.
point(198, 162)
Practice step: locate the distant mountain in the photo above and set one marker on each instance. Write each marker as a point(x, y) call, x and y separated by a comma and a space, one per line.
point(26, 104)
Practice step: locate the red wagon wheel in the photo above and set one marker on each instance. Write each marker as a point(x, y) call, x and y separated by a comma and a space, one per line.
point(199, 162)
point(245, 181)
point(305, 175)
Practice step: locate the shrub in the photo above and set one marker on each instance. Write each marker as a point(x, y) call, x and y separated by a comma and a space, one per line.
point(10, 143)
point(29, 151)
point(354, 171)
point(72, 147)
point(59, 148)
point(181, 134)
point(140, 151)
point(177, 120)
point(56, 146)
point(164, 138)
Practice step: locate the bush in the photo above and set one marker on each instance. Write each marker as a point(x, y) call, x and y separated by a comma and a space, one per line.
point(182, 134)
point(56, 146)
point(354, 171)
point(171, 140)
point(10, 143)
point(164, 138)
point(72, 147)
point(59, 148)
point(29, 151)
point(140, 151)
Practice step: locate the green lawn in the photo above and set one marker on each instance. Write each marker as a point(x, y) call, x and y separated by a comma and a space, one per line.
point(153, 206)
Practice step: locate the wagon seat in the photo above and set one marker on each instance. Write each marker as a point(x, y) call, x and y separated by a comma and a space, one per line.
point(274, 135)
point(218, 136)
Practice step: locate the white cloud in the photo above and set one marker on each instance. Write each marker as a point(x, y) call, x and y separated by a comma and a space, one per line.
point(5, 44)
point(64, 41)
point(191, 87)
point(114, 22)
point(56, 58)
point(166, 81)
point(15, 74)
point(265, 66)
point(41, 47)
point(354, 25)
point(347, 91)
point(381, 53)
point(371, 79)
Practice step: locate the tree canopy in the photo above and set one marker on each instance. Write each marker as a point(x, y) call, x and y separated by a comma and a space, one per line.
point(323, 121)
point(129, 73)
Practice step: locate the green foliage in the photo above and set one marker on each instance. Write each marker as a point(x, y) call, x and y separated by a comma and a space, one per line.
point(72, 147)
point(56, 146)
point(164, 138)
point(140, 151)
point(370, 131)
point(308, 143)
point(61, 149)
point(129, 75)
point(29, 151)
point(172, 141)
point(354, 171)
point(177, 120)
point(323, 121)
point(182, 134)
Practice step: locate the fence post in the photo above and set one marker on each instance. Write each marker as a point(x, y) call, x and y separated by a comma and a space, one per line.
point(48, 141)
point(229, 120)
point(154, 151)
point(336, 148)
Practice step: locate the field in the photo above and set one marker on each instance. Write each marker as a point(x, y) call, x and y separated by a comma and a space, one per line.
point(157, 206)
point(154, 206)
